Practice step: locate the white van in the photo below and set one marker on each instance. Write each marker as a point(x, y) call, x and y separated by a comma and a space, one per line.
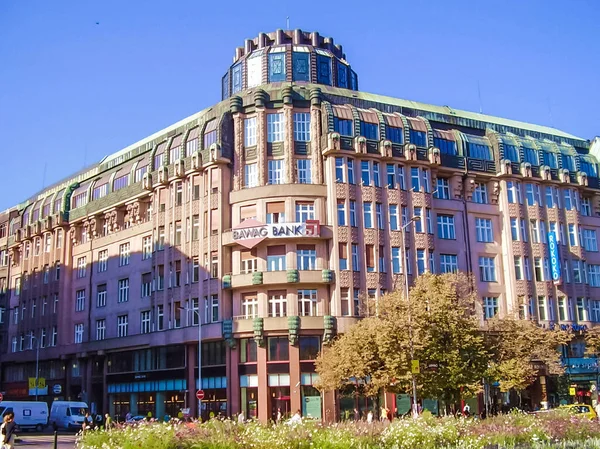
point(68, 414)
point(28, 414)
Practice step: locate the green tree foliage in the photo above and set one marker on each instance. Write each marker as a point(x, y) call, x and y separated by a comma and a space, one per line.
point(514, 344)
point(455, 350)
point(446, 340)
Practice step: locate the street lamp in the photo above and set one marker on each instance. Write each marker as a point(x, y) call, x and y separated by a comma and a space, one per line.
point(415, 411)
point(197, 311)
point(37, 362)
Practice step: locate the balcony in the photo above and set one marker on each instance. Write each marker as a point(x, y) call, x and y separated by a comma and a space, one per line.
point(276, 277)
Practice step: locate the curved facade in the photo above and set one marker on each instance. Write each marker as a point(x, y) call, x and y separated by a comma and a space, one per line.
point(273, 217)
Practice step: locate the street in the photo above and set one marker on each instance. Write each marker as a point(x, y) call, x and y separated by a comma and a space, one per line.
point(46, 441)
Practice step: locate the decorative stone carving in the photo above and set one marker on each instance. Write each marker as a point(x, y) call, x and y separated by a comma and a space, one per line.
point(73, 234)
point(293, 329)
point(87, 228)
point(546, 173)
point(526, 170)
point(179, 168)
point(163, 175)
point(495, 192)
point(360, 145)
point(506, 167)
point(214, 152)
point(410, 152)
point(470, 188)
point(333, 143)
point(457, 184)
point(147, 181)
point(434, 155)
point(93, 227)
point(328, 329)
point(385, 148)
point(564, 176)
point(582, 178)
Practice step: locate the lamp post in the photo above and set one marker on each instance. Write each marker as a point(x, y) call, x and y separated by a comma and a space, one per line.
point(415, 411)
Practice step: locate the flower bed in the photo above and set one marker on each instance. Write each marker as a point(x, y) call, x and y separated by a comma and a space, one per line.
point(508, 431)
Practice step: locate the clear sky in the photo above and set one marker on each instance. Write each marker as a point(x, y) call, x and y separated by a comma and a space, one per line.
point(80, 79)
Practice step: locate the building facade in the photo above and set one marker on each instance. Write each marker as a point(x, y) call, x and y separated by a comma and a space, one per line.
point(271, 219)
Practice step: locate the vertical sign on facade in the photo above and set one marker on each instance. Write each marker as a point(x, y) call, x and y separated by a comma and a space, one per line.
point(554, 258)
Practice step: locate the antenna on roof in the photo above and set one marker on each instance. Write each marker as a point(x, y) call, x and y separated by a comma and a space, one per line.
point(479, 94)
point(287, 22)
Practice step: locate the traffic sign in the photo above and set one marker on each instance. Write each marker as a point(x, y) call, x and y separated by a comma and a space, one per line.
point(200, 394)
point(57, 389)
point(416, 369)
point(1, 397)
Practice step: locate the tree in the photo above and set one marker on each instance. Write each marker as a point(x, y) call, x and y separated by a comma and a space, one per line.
point(515, 344)
point(446, 336)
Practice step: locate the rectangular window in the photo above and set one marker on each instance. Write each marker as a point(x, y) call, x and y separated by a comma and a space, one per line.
point(490, 307)
point(343, 255)
point(542, 308)
point(250, 132)
point(304, 171)
point(376, 177)
point(275, 127)
point(537, 269)
point(369, 130)
point(339, 170)
point(370, 258)
point(524, 234)
point(365, 173)
point(343, 127)
point(568, 199)
point(100, 329)
point(581, 312)
point(124, 252)
point(442, 190)
point(514, 229)
point(572, 235)
point(351, 171)
point(278, 348)
point(513, 191)
point(122, 326)
point(102, 260)
point(394, 217)
point(146, 247)
point(396, 260)
point(480, 195)
point(415, 179)
point(100, 191)
point(123, 290)
point(81, 267)
point(421, 266)
point(79, 333)
point(355, 259)
point(277, 303)
point(306, 257)
point(352, 213)
point(276, 258)
point(101, 295)
point(445, 224)
point(79, 300)
point(307, 303)
point(276, 171)
point(251, 175)
point(448, 263)
point(593, 275)
point(305, 211)
point(487, 269)
point(145, 320)
point(417, 212)
point(368, 215)
point(518, 268)
point(302, 126)
point(379, 215)
point(483, 227)
point(249, 305)
point(590, 242)
point(586, 207)
point(535, 235)
point(341, 212)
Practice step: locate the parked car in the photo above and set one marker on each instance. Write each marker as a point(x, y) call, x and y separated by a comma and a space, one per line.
point(28, 414)
point(580, 409)
point(68, 414)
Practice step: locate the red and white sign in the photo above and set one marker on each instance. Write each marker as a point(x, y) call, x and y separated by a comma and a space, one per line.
point(200, 394)
point(250, 233)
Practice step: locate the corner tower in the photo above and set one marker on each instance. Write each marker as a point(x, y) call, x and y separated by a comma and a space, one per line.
point(288, 56)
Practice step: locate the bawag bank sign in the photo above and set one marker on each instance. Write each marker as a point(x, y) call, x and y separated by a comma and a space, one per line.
point(251, 232)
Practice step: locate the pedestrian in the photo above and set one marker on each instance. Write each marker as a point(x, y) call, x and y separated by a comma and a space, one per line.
point(128, 417)
point(598, 409)
point(383, 414)
point(87, 422)
point(370, 417)
point(278, 417)
point(107, 422)
point(240, 418)
point(8, 431)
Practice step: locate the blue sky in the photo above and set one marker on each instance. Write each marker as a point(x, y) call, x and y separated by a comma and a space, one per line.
point(83, 79)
